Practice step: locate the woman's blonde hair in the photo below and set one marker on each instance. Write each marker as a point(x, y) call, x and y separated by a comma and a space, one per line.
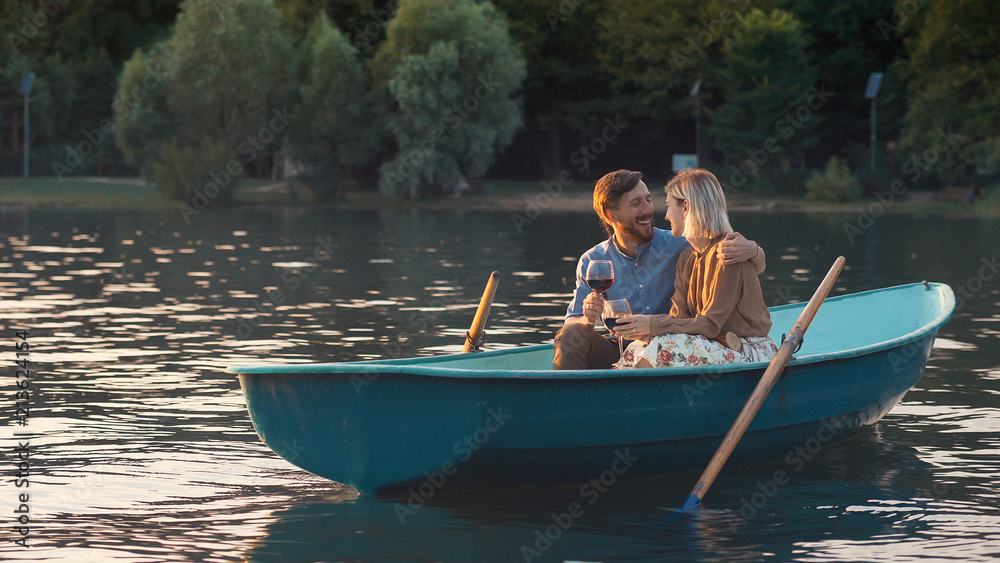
point(706, 216)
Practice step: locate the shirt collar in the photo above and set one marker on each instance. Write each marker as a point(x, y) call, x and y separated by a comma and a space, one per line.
point(639, 250)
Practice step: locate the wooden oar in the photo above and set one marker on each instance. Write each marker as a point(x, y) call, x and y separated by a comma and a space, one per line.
point(475, 335)
point(764, 386)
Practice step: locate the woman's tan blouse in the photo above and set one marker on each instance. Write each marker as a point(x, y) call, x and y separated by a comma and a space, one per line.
point(712, 299)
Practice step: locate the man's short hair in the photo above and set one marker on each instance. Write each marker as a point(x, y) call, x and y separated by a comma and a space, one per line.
point(609, 191)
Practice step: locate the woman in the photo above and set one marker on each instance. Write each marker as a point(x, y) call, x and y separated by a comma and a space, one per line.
point(710, 300)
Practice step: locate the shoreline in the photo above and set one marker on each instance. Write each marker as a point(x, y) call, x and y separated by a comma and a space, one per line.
point(524, 197)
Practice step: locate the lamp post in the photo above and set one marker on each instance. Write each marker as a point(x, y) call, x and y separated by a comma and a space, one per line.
point(695, 90)
point(871, 92)
point(26, 82)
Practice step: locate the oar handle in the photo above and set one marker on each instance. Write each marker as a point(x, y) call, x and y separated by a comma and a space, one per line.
point(476, 330)
point(764, 386)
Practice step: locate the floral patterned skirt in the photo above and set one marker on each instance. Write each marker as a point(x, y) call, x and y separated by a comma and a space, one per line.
point(690, 350)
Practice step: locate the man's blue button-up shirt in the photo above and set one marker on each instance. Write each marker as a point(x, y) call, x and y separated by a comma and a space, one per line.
point(646, 281)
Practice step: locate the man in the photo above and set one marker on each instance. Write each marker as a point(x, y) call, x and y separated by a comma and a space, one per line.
point(645, 261)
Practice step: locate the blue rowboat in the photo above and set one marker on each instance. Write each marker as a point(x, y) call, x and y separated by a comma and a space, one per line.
point(506, 418)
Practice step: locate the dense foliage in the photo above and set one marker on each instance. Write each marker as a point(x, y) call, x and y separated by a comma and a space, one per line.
point(834, 184)
point(332, 129)
point(364, 84)
point(771, 103)
point(953, 74)
point(450, 71)
point(216, 89)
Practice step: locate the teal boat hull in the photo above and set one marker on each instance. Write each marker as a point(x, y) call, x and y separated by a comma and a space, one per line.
point(505, 418)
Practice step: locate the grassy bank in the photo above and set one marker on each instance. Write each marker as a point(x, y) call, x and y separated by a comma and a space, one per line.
point(514, 196)
point(80, 192)
point(124, 193)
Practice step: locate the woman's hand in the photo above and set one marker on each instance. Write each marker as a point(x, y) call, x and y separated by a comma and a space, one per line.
point(636, 327)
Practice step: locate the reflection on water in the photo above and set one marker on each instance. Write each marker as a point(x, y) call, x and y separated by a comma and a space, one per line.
point(143, 449)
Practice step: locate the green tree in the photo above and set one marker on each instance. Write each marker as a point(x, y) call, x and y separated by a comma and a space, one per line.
point(656, 51)
point(224, 84)
point(336, 127)
point(363, 22)
point(27, 33)
point(229, 69)
point(447, 73)
point(653, 55)
point(566, 93)
point(849, 40)
point(765, 79)
point(47, 107)
point(142, 120)
point(296, 16)
point(835, 184)
point(76, 49)
point(953, 75)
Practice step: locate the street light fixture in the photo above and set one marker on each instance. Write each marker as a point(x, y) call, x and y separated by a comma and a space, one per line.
point(871, 92)
point(695, 90)
point(26, 83)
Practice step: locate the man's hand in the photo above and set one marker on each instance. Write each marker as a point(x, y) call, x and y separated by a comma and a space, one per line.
point(593, 306)
point(735, 249)
point(636, 327)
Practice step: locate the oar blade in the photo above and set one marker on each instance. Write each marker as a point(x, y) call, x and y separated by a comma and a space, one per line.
point(691, 503)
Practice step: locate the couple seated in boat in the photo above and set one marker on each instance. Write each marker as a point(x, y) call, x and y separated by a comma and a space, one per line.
point(693, 290)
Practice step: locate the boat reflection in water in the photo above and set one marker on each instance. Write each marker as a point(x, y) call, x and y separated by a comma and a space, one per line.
point(840, 483)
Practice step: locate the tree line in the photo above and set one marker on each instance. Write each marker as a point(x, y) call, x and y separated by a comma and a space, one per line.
point(414, 97)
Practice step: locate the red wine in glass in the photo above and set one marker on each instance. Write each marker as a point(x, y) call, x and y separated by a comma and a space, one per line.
point(615, 309)
point(600, 275)
point(600, 285)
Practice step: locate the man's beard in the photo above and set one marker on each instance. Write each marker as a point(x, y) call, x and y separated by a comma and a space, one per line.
point(640, 237)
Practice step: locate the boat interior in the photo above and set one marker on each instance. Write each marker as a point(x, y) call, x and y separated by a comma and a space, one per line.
point(845, 325)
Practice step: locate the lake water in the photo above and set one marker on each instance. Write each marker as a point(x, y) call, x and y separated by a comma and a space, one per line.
point(141, 448)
